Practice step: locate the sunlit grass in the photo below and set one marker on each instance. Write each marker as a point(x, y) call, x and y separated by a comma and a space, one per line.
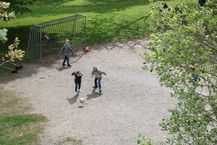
point(48, 10)
point(106, 19)
point(17, 128)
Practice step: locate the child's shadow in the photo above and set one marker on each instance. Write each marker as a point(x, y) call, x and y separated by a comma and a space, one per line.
point(73, 99)
point(62, 68)
point(93, 95)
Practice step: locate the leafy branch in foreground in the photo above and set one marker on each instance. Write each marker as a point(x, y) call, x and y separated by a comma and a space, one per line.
point(184, 54)
point(13, 51)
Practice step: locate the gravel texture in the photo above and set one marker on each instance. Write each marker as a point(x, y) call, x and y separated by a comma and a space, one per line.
point(132, 101)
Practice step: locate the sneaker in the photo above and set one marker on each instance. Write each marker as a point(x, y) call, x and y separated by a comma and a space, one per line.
point(69, 65)
point(94, 87)
point(100, 91)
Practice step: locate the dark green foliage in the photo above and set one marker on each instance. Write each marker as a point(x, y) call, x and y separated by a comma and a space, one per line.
point(184, 55)
point(20, 6)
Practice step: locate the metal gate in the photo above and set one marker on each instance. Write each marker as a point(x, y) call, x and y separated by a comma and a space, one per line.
point(47, 38)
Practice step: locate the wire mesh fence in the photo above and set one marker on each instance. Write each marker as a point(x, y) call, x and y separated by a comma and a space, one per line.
point(47, 38)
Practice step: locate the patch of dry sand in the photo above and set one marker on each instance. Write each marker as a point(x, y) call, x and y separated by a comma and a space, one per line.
point(132, 101)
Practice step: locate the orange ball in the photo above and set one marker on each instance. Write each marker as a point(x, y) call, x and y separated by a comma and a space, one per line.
point(87, 49)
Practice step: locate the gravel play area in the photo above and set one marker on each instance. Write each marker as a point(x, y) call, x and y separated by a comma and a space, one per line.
point(132, 101)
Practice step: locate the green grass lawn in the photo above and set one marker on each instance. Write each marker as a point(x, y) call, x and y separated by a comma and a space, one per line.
point(16, 127)
point(52, 9)
point(43, 11)
point(106, 19)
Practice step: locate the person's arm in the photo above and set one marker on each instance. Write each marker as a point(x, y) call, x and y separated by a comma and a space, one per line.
point(104, 73)
point(92, 74)
point(81, 74)
point(73, 73)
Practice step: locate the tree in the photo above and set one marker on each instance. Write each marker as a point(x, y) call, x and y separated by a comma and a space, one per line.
point(19, 6)
point(184, 54)
point(213, 5)
point(13, 51)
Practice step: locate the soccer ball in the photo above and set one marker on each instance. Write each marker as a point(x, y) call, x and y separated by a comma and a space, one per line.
point(82, 100)
point(87, 49)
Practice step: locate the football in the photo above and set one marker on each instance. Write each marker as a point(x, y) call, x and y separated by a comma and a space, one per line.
point(82, 100)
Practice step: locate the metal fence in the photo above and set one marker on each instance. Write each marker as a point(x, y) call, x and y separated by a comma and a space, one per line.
point(47, 38)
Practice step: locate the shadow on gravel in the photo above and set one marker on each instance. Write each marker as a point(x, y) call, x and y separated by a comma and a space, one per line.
point(61, 68)
point(73, 99)
point(32, 68)
point(93, 95)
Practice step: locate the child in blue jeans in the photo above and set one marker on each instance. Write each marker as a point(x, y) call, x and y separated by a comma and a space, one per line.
point(78, 76)
point(98, 77)
point(65, 51)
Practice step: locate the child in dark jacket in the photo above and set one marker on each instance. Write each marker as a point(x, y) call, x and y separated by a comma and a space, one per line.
point(65, 51)
point(78, 76)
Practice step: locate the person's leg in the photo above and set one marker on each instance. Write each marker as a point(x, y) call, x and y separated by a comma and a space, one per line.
point(79, 85)
point(67, 59)
point(95, 83)
point(64, 60)
point(76, 86)
point(99, 83)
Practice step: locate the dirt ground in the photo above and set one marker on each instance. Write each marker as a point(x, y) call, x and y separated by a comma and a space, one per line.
point(132, 101)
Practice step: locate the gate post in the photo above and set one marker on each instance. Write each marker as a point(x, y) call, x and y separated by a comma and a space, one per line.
point(40, 43)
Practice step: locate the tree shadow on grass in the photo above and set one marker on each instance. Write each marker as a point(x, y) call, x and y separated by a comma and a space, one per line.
point(107, 29)
point(71, 7)
point(115, 5)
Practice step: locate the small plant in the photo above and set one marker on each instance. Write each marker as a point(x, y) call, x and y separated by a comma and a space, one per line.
point(144, 140)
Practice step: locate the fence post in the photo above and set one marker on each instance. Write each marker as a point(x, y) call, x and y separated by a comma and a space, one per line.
point(40, 43)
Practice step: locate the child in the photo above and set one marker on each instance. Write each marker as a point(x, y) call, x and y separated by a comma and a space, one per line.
point(78, 76)
point(65, 52)
point(45, 37)
point(98, 77)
